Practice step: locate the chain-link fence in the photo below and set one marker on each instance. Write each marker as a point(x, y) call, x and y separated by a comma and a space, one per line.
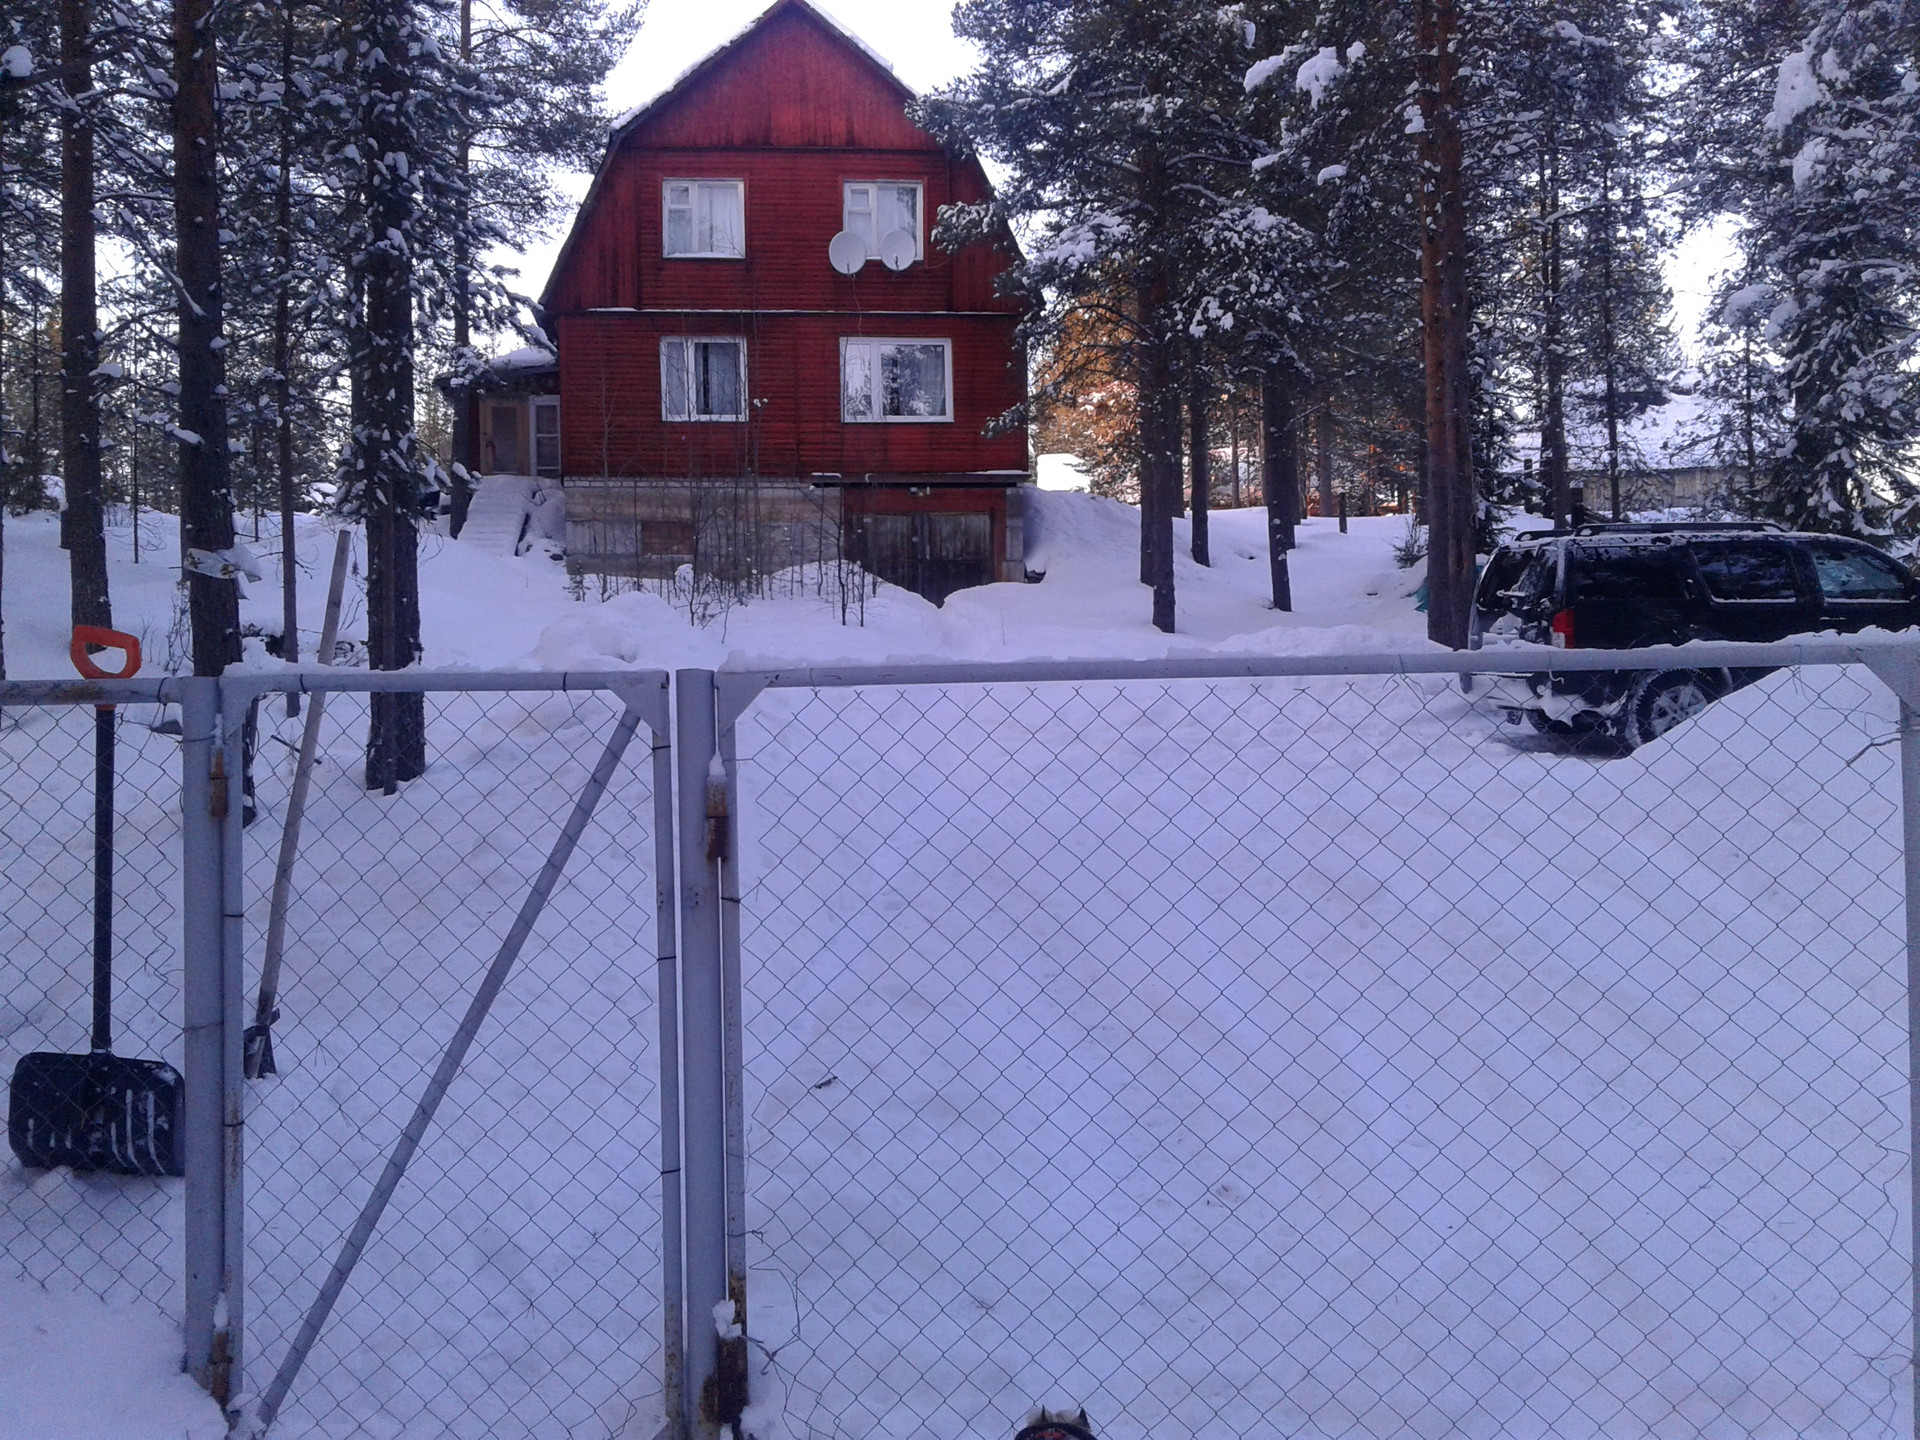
point(1322, 1056)
point(115, 1235)
point(1228, 1047)
point(513, 1286)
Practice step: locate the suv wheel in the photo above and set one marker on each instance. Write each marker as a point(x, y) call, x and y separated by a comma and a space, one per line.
point(1663, 700)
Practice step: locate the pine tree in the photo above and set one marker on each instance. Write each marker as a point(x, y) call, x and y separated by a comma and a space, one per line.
point(83, 522)
point(1109, 122)
point(206, 495)
point(1803, 118)
point(541, 65)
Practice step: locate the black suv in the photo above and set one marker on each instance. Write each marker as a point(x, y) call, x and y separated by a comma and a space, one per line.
point(1620, 587)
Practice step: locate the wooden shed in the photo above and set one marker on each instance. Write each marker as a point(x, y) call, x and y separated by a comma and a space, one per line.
point(732, 397)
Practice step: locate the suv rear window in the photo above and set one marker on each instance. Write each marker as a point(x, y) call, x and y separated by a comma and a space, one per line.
point(1850, 572)
point(1628, 572)
point(1746, 571)
point(1514, 576)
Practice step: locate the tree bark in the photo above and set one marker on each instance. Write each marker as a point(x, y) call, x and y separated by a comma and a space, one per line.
point(463, 436)
point(1553, 360)
point(1608, 341)
point(206, 495)
point(1444, 320)
point(283, 359)
point(1323, 454)
point(83, 522)
point(1279, 476)
point(1200, 461)
point(385, 444)
point(1159, 400)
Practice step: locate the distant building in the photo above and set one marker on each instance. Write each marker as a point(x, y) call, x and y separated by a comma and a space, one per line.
point(1660, 460)
point(763, 357)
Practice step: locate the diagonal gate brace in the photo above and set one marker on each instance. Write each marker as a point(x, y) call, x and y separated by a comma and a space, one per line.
point(450, 1062)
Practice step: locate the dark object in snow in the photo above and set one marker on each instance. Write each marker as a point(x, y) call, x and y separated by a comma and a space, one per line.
point(1630, 586)
point(95, 1112)
point(1057, 1425)
point(99, 1111)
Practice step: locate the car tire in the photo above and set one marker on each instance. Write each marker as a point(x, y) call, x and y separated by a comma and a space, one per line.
point(1666, 698)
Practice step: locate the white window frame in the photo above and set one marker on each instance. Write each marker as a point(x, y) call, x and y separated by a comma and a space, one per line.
point(847, 211)
point(543, 405)
point(687, 342)
point(739, 188)
point(878, 342)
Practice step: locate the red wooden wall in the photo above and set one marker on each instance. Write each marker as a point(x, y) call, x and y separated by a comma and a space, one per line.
point(793, 109)
point(610, 407)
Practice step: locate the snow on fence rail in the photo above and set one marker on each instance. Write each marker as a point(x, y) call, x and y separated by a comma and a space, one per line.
point(1230, 1046)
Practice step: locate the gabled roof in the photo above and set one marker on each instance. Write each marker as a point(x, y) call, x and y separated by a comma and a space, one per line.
point(628, 122)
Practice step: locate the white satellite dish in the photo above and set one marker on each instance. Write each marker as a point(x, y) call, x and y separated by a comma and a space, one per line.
point(896, 249)
point(848, 252)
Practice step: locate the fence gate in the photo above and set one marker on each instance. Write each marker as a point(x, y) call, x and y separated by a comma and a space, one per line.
point(513, 1284)
point(1317, 1055)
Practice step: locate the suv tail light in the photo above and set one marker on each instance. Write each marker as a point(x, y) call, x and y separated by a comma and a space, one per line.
point(1562, 630)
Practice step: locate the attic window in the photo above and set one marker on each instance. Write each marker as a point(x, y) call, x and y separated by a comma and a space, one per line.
point(705, 219)
point(872, 209)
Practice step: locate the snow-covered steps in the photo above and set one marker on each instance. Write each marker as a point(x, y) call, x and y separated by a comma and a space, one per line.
point(497, 517)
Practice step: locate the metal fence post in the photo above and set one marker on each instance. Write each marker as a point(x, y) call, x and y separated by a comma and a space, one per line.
point(666, 898)
point(203, 1144)
point(233, 1089)
point(732, 1038)
point(715, 1395)
point(1910, 837)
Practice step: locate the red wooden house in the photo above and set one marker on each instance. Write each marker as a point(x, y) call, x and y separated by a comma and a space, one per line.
point(764, 358)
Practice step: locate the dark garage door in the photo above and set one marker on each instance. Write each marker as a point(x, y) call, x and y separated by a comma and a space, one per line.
point(931, 554)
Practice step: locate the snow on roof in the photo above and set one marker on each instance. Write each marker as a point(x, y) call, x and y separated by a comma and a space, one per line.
point(527, 357)
point(827, 17)
point(1664, 437)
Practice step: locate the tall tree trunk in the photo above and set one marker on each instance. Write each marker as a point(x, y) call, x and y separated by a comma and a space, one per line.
point(1555, 473)
point(1323, 453)
point(1608, 345)
point(83, 523)
point(7, 459)
point(206, 494)
point(1200, 460)
point(1444, 318)
point(384, 443)
point(283, 357)
point(1233, 430)
point(1159, 400)
point(463, 436)
point(1279, 476)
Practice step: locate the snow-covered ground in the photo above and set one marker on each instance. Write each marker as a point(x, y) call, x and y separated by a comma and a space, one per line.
point(1303, 1058)
point(488, 610)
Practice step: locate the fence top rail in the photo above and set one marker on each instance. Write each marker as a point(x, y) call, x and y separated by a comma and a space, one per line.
point(168, 689)
point(1516, 660)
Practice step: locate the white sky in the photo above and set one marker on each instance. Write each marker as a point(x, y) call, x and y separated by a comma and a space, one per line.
point(916, 37)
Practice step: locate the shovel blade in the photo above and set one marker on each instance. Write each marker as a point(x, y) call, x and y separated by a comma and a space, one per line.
point(95, 1112)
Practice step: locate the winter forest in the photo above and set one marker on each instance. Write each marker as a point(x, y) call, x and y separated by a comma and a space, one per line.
point(241, 241)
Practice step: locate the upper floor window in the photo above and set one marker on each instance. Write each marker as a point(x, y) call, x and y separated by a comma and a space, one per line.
point(705, 219)
point(896, 380)
point(703, 378)
point(874, 208)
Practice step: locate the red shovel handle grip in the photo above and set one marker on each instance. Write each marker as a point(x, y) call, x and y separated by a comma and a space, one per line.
point(85, 635)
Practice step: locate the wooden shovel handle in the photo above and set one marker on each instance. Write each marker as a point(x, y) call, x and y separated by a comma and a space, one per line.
point(85, 635)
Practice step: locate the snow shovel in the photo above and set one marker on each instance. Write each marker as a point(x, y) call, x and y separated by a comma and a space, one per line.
point(98, 1111)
